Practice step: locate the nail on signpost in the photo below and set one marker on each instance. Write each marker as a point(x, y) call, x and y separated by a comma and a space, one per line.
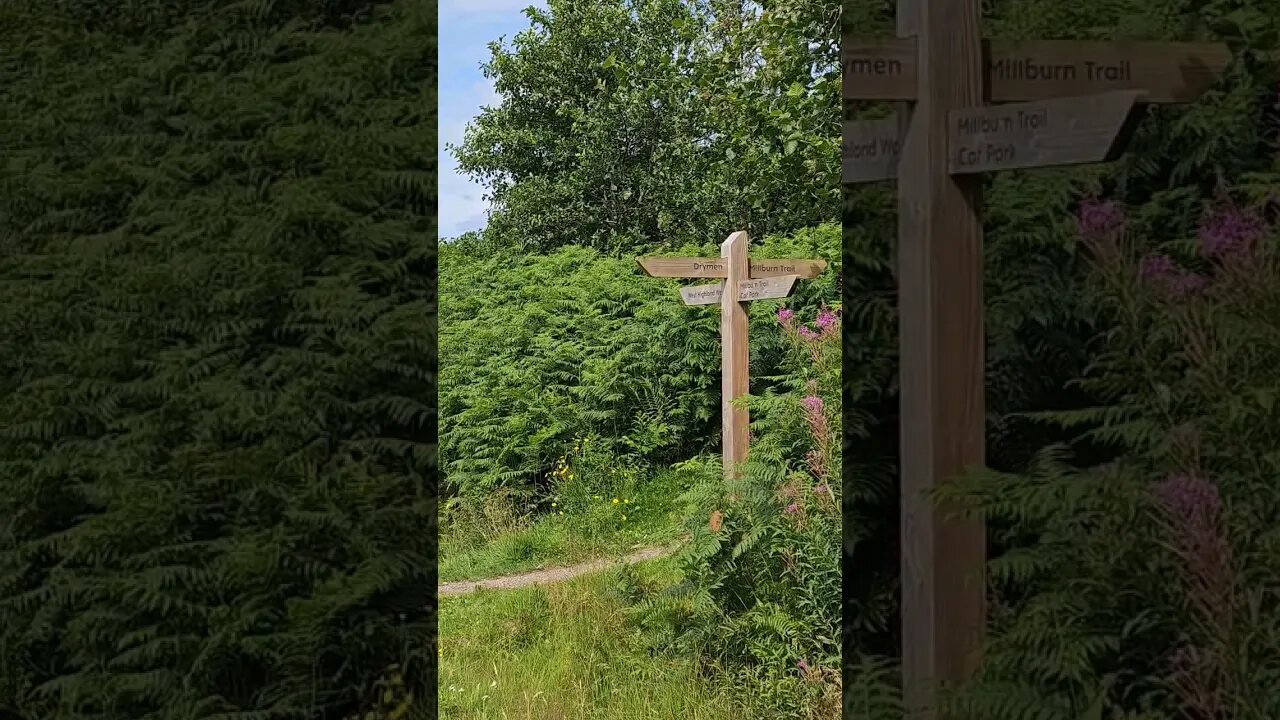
point(751, 280)
point(1075, 104)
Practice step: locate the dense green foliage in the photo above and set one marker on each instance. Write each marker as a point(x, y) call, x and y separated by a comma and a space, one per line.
point(1157, 571)
point(216, 357)
point(762, 596)
point(545, 349)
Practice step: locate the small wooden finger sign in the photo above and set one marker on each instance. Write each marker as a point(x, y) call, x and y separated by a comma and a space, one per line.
point(752, 280)
point(1066, 131)
point(684, 267)
point(1025, 70)
point(768, 288)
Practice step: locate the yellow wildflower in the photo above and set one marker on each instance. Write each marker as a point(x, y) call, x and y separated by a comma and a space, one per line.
point(615, 501)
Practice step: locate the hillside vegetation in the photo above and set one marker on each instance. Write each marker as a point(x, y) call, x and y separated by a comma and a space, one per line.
point(216, 357)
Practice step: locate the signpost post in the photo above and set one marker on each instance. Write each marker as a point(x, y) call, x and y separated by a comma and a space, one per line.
point(744, 280)
point(1075, 103)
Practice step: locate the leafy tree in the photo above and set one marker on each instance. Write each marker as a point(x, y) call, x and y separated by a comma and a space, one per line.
point(633, 125)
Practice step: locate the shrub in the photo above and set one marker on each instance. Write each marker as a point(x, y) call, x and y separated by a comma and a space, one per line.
point(216, 364)
point(761, 597)
point(1146, 585)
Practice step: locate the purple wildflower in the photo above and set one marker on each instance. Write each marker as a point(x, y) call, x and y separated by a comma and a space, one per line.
point(1157, 267)
point(1191, 505)
point(813, 415)
point(818, 430)
point(1189, 499)
point(826, 319)
point(1096, 219)
point(1229, 231)
point(792, 509)
point(806, 333)
point(803, 666)
point(785, 316)
point(822, 489)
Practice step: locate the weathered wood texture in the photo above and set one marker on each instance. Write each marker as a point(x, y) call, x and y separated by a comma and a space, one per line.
point(941, 357)
point(685, 267)
point(1067, 131)
point(733, 346)
point(1026, 70)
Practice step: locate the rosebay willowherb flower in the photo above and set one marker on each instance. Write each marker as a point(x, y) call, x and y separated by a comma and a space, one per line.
point(814, 415)
point(1160, 270)
point(1189, 499)
point(1098, 219)
point(1192, 507)
point(1230, 232)
point(1156, 267)
point(785, 317)
point(816, 418)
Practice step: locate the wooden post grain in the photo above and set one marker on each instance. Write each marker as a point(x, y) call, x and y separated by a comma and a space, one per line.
point(941, 359)
point(734, 354)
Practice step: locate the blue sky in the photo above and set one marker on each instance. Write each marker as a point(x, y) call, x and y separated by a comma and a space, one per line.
point(466, 28)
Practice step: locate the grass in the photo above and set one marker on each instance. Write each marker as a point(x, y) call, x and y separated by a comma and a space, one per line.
point(590, 528)
point(565, 652)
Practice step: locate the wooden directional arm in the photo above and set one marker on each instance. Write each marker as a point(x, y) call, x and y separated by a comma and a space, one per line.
point(1025, 70)
point(687, 267)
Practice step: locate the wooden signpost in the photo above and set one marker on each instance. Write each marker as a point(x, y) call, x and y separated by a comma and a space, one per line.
point(1018, 71)
point(767, 288)
point(1075, 104)
point(747, 280)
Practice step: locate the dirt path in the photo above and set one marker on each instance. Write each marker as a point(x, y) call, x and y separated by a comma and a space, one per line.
point(550, 575)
